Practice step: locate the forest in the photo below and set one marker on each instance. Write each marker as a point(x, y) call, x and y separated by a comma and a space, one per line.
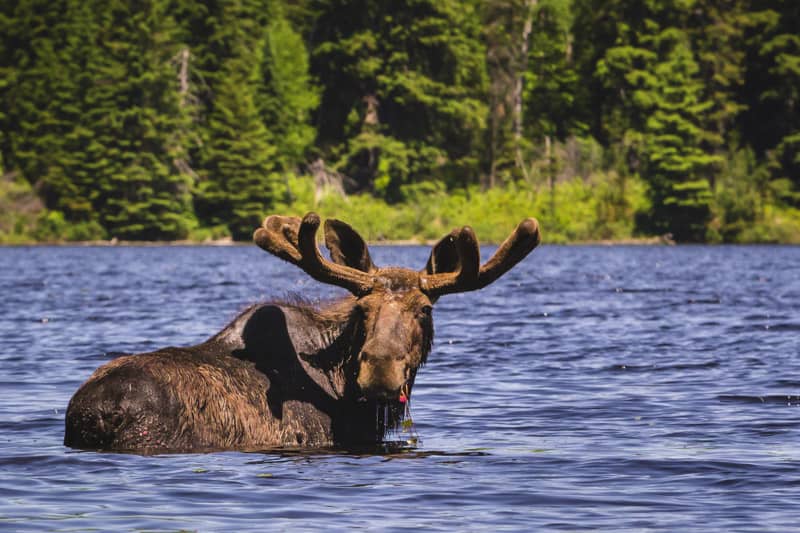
point(605, 119)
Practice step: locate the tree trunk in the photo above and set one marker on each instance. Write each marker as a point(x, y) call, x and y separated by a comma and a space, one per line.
point(527, 28)
point(183, 75)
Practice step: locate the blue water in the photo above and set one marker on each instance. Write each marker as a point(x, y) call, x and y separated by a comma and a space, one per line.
point(613, 388)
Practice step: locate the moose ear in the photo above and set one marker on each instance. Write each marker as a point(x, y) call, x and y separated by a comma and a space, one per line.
point(444, 256)
point(346, 246)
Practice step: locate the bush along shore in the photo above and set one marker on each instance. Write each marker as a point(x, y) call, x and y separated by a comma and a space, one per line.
point(575, 211)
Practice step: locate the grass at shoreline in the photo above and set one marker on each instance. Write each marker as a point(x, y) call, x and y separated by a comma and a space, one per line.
point(597, 210)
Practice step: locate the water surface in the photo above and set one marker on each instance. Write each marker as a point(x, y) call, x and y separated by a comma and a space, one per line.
point(616, 388)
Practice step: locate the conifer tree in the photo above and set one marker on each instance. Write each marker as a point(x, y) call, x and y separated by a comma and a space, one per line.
point(675, 163)
point(39, 99)
point(287, 97)
point(550, 86)
point(9, 71)
point(237, 160)
point(508, 27)
point(718, 36)
point(404, 85)
point(661, 116)
point(772, 123)
point(551, 78)
point(136, 120)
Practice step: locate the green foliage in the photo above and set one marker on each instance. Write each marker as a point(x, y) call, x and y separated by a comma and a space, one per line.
point(740, 197)
point(551, 79)
point(771, 122)
point(430, 210)
point(142, 195)
point(52, 226)
point(719, 40)
point(664, 121)
point(40, 98)
point(236, 161)
point(402, 80)
point(676, 163)
point(238, 157)
point(287, 96)
point(23, 218)
point(166, 119)
point(19, 209)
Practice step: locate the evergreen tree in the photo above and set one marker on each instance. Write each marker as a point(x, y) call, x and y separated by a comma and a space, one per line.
point(550, 86)
point(661, 117)
point(8, 74)
point(97, 118)
point(237, 160)
point(551, 78)
point(772, 122)
point(718, 35)
point(675, 163)
point(137, 121)
point(40, 97)
point(287, 96)
point(78, 197)
point(404, 85)
point(45, 50)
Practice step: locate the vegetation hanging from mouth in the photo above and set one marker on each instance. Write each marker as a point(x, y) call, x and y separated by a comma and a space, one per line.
point(393, 421)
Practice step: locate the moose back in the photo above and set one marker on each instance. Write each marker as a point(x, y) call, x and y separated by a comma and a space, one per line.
point(287, 373)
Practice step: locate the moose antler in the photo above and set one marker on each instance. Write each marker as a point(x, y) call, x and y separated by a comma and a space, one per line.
point(514, 249)
point(466, 246)
point(278, 236)
point(469, 277)
point(295, 241)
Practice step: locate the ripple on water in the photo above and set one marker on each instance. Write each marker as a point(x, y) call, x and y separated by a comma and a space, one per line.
point(615, 388)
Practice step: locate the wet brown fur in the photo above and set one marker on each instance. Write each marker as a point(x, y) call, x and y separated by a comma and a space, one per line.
point(248, 387)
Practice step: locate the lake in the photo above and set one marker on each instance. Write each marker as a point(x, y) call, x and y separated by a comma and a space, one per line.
point(618, 388)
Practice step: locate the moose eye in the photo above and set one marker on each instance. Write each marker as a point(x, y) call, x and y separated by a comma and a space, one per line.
point(426, 310)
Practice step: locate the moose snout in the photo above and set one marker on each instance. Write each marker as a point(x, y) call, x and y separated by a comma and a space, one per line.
point(381, 377)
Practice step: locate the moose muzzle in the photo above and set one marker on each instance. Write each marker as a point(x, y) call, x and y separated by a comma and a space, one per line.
point(382, 376)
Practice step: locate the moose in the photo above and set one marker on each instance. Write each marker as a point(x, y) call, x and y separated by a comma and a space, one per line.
point(288, 373)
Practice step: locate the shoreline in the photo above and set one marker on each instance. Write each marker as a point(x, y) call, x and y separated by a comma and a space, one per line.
point(633, 241)
point(227, 241)
point(663, 240)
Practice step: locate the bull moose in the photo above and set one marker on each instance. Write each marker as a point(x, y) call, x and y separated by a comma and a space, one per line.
point(286, 373)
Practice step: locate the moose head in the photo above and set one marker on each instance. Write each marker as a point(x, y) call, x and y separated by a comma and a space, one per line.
point(392, 312)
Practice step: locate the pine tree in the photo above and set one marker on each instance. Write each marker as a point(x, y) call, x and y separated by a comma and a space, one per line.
point(9, 71)
point(136, 121)
point(508, 25)
point(39, 98)
point(287, 97)
point(676, 164)
point(237, 161)
point(404, 86)
point(718, 34)
point(551, 78)
point(550, 86)
point(772, 123)
point(45, 51)
point(660, 115)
